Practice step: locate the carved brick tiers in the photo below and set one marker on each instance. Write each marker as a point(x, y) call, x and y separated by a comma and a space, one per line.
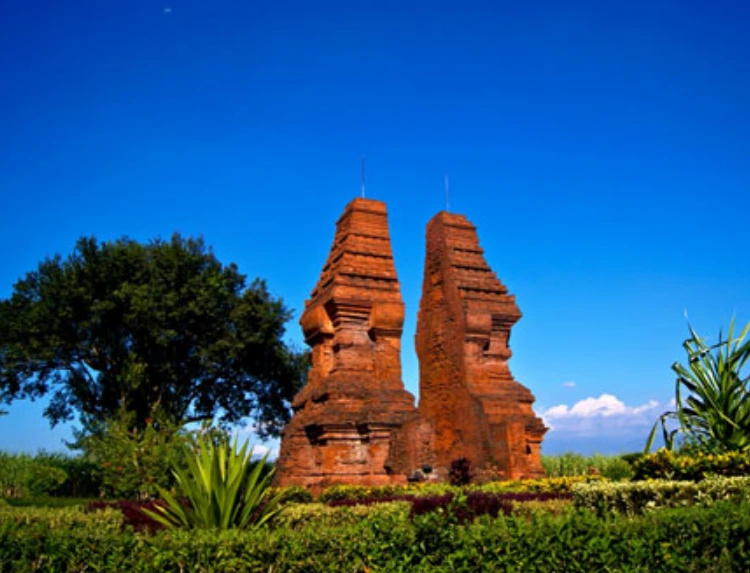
point(468, 397)
point(345, 417)
point(354, 422)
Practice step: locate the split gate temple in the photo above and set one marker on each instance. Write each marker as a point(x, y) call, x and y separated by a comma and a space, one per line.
point(354, 422)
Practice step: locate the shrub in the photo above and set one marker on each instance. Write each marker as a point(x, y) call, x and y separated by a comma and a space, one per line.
point(220, 488)
point(70, 518)
point(460, 472)
point(669, 465)
point(536, 509)
point(632, 457)
point(540, 485)
point(133, 514)
point(712, 396)
point(299, 515)
point(133, 463)
point(346, 491)
point(459, 507)
point(360, 493)
point(291, 494)
point(42, 479)
point(13, 471)
point(632, 498)
point(83, 479)
point(46, 474)
point(685, 539)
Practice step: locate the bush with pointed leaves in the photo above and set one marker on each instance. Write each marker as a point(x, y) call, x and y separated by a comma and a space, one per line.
point(219, 488)
point(711, 396)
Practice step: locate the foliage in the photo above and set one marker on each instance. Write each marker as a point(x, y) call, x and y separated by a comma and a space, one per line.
point(563, 484)
point(299, 515)
point(711, 395)
point(133, 514)
point(539, 508)
point(359, 493)
point(60, 517)
point(291, 494)
point(219, 488)
point(462, 506)
point(632, 457)
point(460, 472)
point(13, 471)
point(131, 462)
point(631, 498)
point(571, 464)
point(355, 491)
point(46, 474)
point(123, 325)
point(670, 465)
point(43, 479)
point(711, 539)
point(48, 502)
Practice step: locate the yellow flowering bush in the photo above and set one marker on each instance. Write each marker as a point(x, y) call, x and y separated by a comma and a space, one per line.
point(670, 465)
point(632, 498)
point(426, 489)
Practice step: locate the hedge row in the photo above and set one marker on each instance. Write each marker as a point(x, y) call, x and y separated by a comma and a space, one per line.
point(715, 538)
point(632, 498)
point(65, 518)
point(665, 464)
point(47, 474)
point(426, 489)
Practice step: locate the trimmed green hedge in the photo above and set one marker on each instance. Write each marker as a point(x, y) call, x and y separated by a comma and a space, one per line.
point(705, 539)
point(47, 474)
point(426, 489)
point(300, 515)
point(665, 464)
point(632, 498)
point(60, 518)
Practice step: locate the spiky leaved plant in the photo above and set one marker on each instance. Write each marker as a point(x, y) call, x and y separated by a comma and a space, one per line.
point(218, 489)
point(711, 396)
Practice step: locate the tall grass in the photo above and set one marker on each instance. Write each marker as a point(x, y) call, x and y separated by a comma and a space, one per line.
point(13, 471)
point(614, 467)
point(47, 474)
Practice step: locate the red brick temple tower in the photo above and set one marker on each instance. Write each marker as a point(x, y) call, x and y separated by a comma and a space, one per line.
point(347, 418)
point(470, 405)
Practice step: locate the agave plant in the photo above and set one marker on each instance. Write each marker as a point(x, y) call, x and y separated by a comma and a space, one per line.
point(711, 396)
point(219, 488)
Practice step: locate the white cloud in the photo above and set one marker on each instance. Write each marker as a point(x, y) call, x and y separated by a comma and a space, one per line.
point(260, 447)
point(260, 451)
point(569, 384)
point(650, 405)
point(606, 414)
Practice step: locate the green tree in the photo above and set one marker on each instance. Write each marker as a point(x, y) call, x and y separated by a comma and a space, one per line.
point(162, 326)
point(712, 397)
point(132, 462)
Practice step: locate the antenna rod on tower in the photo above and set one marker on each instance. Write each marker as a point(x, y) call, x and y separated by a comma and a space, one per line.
point(447, 194)
point(363, 177)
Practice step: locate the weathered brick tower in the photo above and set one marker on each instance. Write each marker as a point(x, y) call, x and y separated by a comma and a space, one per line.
point(467, 394)
point(354, 402)
point(354, 422)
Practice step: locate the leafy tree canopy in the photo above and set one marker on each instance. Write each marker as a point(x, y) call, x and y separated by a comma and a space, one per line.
point(142, 328)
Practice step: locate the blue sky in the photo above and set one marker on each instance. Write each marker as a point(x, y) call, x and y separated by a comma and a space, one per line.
point(601, 148)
